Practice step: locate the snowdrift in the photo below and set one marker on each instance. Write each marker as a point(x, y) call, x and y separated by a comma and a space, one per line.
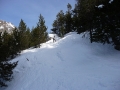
point(71, 63)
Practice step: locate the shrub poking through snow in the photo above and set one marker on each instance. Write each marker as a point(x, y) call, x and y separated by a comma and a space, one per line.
point(6, 72)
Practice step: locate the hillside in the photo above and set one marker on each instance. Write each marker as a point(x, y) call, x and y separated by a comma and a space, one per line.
point(71, 63)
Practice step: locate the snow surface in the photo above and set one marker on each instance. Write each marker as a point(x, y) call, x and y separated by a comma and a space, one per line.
point(100, 6)
point(1, 27)
point(10, 25)
point(110, 1)
point(71, 63)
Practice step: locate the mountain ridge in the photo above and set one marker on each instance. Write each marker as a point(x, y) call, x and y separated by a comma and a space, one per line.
point(6, 26)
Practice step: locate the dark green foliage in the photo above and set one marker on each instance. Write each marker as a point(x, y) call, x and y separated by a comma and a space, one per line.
point(103, 24)
point(43, 35)
point(6, 52)
point(35, 37)
point(11, 45)
point(28, 38)
point(23, 36)
point(64, 22)
point(16, 41)
point(6, 72)
point(39, 33)
point(6, 46)
point(59, 24)
point(107, 21)
point(68, 19)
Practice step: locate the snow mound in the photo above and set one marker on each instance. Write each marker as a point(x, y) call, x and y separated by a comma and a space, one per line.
point(71, 63)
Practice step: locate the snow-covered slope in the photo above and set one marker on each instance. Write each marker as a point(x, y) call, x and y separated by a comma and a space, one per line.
point(6, 26)
point(71, 63)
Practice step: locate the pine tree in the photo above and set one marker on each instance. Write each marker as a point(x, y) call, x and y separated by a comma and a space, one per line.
point(39, 33)
point(55, 28)
point(43, 35)
point(75, 19)
point(59, 24)
point(68, 19)
point(1, 47)
point(107, 23)
point(35, 34)
point(28, 38)
point(6, 66)
point(22, 32)
point(16, 42)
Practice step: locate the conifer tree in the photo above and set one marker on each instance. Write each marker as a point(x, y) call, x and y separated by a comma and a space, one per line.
point(6, 66)
point(39, 33)
point(55, 27)
point(68, 19)
point(35, 34)
point(43, 35)
point(16, 42)
point(59, 24)
point(107, 23)
point(22, 32)
point(28, 38)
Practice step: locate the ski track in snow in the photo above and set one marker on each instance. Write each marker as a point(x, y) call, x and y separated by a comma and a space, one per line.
point(71, 63)
point(59, 56)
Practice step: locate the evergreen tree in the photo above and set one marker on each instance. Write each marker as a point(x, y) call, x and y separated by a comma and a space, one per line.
point(35, 34)
point(28, 38)
point(59, 24)
point(6, 66)
point(22, 32)
point(43, 35)
point(6, 45)
point(75, 19)
point(83, 16)
point(6, 71)
point(1, 46)
point(107, 23)
point(16, 42)
point(55, 27)
point(39, 33)
point(68, 19)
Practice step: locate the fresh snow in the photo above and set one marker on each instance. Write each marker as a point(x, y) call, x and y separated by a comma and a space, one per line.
point(71, 63)
point(110, 1)
point(10, 25)
point(1, 27)
point(100, 6)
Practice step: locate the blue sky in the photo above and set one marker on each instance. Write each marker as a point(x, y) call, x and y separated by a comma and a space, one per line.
point(29, 10)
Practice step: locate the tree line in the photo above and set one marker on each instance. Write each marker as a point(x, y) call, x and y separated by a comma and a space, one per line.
point(101, 18)
point(11, 44)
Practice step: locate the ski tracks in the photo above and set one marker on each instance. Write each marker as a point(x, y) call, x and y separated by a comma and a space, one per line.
point(59, 55)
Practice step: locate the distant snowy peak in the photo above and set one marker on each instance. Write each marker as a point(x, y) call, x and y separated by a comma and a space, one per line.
point(6, 26)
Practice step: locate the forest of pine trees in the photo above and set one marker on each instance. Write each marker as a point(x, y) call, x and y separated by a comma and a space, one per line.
point(12, 44)
point(102, 23)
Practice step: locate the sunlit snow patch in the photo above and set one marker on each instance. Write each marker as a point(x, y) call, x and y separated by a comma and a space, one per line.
point(110, 1)
point(100, 6)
